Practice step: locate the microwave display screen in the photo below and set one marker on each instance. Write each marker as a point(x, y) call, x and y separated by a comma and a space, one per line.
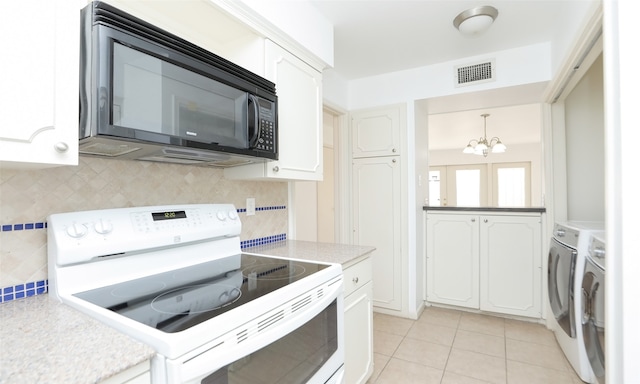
point(169, 215)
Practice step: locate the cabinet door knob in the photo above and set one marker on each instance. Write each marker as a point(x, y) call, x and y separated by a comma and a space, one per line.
point(355, 280)
point(61, 147)
point(473, 220)
point(276, 168)
point(393, 161)
point(394, 150)
point(486, 220)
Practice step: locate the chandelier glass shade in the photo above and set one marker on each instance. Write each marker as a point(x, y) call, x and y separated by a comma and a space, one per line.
point(482, 146)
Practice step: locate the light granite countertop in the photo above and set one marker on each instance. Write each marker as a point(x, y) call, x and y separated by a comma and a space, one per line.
point(344, 254)
point(45, 341)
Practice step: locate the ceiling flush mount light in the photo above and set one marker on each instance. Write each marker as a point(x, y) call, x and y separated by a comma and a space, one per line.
point(476, 20)
point(482, 145)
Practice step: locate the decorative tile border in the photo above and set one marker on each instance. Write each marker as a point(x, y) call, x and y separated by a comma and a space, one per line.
point(21, 291)
point(268, 208)
point(263, 240)
point(23, 227)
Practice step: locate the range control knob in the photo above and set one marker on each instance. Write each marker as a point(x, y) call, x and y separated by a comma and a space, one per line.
point(103, 227)
point(77, 230)
point(233, 214)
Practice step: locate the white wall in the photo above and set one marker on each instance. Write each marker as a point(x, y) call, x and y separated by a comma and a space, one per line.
point(421, 176)
point(584, 130)
point(307, 18)
point(621, 62)
point(525, 65)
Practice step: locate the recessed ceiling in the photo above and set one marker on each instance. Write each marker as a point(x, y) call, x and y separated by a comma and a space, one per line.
point(373, 37)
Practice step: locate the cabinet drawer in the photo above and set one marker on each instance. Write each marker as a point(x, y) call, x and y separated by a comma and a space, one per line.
point(357, 276)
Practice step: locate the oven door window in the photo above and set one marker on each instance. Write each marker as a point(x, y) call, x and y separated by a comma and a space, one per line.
point(293, 359)
point(155, 98)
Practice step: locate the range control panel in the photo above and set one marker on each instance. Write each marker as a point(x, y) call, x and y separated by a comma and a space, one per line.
point(80, 236)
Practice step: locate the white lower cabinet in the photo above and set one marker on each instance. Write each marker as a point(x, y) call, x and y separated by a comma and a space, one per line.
point(453, 258)
point(511, 265)
point(358, 322)
point(487, 262)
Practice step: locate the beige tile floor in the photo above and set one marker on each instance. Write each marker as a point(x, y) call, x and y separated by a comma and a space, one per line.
point(455, 347)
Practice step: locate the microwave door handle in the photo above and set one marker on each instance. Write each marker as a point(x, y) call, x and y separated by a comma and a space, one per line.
point(253, 139)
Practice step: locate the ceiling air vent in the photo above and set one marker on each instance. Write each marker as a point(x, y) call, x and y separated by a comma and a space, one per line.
point(474, 73)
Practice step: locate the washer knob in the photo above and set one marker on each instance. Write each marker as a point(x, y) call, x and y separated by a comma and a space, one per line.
point(221, 216)
point(233, 214)
point(77, 230)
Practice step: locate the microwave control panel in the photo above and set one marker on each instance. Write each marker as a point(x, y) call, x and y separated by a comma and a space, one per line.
point(266, 137)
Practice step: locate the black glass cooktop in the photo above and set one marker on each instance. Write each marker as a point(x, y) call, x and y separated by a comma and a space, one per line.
point(177, 300)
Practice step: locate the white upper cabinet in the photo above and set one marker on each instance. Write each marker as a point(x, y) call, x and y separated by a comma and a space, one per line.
point(299, 90)
point(39, 101)
point(376, 132)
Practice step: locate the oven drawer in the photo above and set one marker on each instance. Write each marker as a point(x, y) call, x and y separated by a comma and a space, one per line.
point(357, 275)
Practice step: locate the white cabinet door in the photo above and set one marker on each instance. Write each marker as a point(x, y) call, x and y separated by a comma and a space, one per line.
point(299, 90)
point(358, 334)
point(39, 101)
point(376, 132)
point(453, 257)
point(376, 222)
point(511, 265)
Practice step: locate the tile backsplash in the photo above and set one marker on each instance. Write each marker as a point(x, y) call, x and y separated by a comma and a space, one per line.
point(27, 197)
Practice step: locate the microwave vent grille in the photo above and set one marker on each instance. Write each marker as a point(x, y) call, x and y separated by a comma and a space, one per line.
point(474, 73)
point(107, 149)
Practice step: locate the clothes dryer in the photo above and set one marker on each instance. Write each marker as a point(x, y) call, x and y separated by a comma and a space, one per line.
point(592, 318)
point(567, 255)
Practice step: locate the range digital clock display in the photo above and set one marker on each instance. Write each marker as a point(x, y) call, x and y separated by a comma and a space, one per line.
point(169, 215)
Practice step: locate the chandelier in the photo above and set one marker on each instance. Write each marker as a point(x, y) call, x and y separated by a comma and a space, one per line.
point(482, 145)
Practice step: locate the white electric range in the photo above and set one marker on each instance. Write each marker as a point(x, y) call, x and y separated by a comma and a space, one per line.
point(174, 277)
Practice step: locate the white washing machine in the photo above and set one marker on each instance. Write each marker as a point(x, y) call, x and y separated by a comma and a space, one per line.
point(567, 256)
point(592, 312)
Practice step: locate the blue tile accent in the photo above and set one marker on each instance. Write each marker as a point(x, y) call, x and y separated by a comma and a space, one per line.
point(267, 208)
point(21, 291)
point(263, 240)
point(23, 226)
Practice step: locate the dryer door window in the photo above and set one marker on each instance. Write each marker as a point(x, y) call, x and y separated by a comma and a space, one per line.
point(593, 318)
point(560, 273)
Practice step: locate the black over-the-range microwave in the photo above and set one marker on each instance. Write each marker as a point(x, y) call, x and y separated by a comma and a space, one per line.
point(147, 94)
